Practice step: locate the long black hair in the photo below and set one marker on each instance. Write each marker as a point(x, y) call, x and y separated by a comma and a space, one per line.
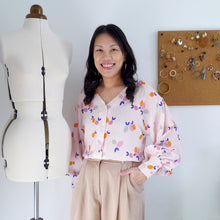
point(93, 78)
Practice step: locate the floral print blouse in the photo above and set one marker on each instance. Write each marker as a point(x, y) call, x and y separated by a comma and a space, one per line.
point(118, 131)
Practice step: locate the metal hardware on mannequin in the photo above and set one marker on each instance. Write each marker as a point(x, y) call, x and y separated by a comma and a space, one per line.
point(36, 202)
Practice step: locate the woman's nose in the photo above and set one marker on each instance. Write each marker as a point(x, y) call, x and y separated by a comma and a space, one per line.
point(106, 55)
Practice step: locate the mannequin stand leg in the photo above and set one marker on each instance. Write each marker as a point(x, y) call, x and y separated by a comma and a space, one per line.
point(36, 202)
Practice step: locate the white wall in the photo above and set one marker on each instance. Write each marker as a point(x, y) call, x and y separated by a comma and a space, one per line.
point(193, 192)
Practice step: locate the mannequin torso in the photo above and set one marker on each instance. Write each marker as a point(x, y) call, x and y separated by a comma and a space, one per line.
point(24, 143)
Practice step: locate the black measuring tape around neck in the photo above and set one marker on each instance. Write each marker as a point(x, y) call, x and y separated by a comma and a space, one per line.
point(14, 116)
point(44, 111)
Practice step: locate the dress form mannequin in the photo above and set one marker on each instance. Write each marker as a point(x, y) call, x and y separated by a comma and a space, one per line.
point(24, 52)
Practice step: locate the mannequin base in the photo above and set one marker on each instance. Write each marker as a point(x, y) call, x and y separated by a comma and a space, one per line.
point(37, 219)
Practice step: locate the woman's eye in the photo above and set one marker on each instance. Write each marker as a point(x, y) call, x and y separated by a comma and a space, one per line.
point(114, 49)
point(99, 50)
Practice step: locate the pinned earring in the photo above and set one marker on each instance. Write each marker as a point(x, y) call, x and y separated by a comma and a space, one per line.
point(210, 67)
point(203, 73)
point(165, 65)
point(173, 40)
point(192, 63)
point(218, 75)
point(197, 37)
point(162, 52)
point(167, 55)
point(201, 57)
point(179, 42)
point(174, 57)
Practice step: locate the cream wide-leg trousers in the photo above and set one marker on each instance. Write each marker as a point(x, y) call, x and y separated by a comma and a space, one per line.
point(102, 194)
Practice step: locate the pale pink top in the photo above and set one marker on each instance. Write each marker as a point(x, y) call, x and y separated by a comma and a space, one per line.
point(118, 131)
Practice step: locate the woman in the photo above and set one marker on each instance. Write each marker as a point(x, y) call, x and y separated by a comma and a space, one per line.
point(114, 116)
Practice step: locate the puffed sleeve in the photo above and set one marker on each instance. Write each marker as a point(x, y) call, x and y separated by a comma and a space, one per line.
point(76, 156)
point(164, 154)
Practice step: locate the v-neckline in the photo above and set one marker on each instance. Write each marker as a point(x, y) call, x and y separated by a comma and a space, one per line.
point(113, 99)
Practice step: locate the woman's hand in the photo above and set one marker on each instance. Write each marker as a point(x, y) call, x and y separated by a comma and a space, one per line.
point(138, 176)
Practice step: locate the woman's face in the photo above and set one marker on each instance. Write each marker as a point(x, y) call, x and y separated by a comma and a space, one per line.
point(108, 57)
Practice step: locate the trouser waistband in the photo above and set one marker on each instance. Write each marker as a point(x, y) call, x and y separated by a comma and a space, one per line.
point(135, 163)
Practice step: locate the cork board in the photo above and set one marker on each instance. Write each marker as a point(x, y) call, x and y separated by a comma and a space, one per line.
point(189, 67)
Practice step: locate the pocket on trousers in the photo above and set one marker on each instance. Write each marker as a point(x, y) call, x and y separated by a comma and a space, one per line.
point(137, 187)
point(80, 175)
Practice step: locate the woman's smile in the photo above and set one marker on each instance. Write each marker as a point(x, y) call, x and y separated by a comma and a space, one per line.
point(108, 66)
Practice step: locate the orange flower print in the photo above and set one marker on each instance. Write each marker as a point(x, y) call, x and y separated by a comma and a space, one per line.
point(136, 153)
point(164, 103)
point(93, 134)
point(110, 122)
point(88, 108)
point(91, 105)
point(168, 173)
point(136, 150)
point(152, 94)
point(106, 134)
point(145, 127)
point(140, 107)
point(107, 120)
point(132, 127)
point(140, 83)
point(95, 121)
point(150, 167)
point(167, 143)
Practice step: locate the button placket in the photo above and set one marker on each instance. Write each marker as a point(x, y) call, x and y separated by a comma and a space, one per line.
point(105, 125)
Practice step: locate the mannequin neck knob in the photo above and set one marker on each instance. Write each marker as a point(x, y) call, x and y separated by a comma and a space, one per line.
point(36, 11)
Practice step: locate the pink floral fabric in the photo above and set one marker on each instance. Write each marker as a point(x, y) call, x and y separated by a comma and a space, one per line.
point(119, 130)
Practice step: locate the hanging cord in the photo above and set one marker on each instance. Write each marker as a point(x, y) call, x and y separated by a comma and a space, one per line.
point(14, 116)
point(44, 111)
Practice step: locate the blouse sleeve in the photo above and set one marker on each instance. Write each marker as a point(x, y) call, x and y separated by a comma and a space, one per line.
point(164, 154)
point(76, 156)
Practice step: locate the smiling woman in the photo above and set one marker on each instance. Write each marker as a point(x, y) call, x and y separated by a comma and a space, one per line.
point(114, 116)
point(110, 36)
point(108, 58)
